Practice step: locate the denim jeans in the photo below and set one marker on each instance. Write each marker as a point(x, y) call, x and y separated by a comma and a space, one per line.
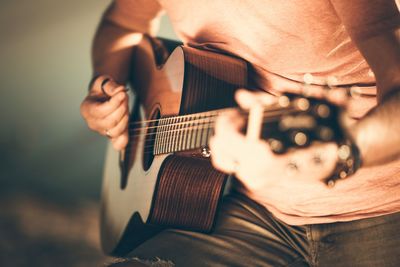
point(246, 234)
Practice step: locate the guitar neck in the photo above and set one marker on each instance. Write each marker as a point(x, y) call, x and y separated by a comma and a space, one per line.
point(183, 133)
point(189, 132)
point(295, 124)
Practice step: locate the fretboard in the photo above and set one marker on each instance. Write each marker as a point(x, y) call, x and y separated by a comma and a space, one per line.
point(181, 133)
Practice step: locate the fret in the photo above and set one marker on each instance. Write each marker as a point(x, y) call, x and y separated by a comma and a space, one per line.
point(160, 134)
point(210, 130)
point(170, 135)
point(207, 130)
point(178, 133)
point(181, 133)
point(204, 129)
point(156, 140)
point(194, 134)
point(168, 139)
point(200, 131)
point(174, 133)
point(189, 134)
point(185, 133)
point(164, 136)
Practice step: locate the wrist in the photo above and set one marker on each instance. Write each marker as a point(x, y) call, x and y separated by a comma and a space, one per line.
point(349, 160)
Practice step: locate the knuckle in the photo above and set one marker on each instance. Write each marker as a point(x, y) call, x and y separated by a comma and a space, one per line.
point(118, 131)
point(119, 142)
point(107, 123)
point(124, 109)
point(95, 110)
point(91, 125)
point(104, 108)
point(125, 120)
point(83, 108)
point(124, 139)
point(121, 111)
point(111, 123)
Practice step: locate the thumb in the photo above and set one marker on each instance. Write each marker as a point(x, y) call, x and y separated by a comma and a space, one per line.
point(106, 86)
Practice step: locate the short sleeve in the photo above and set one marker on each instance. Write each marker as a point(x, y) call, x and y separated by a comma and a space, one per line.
point(138, 15)
point(367, 18)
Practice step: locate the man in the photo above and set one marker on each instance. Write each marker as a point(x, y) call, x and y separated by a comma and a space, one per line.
point(283, 214)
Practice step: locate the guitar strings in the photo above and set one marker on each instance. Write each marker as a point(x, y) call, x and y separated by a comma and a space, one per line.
point(207, 113)
point(207, 124)
point(176, 139)
point(188, 119)
point(198, 124)
point(211, 118)
point(180, 116)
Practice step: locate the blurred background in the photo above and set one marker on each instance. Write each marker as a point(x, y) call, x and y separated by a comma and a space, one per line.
point(50, 164)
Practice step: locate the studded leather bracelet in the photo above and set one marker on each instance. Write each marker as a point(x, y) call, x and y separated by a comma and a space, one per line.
point(349, 161)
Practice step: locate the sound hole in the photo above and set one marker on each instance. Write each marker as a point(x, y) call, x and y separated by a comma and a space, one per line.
point(148, 149)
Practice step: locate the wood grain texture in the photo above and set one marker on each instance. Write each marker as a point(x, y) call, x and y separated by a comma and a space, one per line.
point(188, 194)
point(210, 80)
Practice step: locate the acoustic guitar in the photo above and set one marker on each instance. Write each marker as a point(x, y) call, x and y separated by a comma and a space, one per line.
point(164, 177)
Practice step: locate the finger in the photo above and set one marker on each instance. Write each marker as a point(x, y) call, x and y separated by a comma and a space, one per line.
point(221, 159)
point(96, 88)
point(104, 109)
point(317, 160)
point(229, 122)
point(105, 85)
point(121, 127)
point(337, 96)
point(111, 88)
point(227, 143)
point(114, 118)
point(120, 142)
point(246, 99)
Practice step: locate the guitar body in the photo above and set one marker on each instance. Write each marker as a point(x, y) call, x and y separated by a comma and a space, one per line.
point(145, 192)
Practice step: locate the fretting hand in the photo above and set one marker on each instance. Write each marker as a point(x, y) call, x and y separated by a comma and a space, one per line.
point(253, 162)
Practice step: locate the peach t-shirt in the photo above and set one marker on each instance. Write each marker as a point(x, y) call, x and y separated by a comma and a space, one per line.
point(283, 40)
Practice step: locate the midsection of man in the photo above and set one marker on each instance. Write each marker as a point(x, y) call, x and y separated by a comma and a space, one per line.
point(283, 40)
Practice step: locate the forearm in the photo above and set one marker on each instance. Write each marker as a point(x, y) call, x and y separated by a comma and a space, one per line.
point(374, 27)
point(112, 50)
point(378, 133)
